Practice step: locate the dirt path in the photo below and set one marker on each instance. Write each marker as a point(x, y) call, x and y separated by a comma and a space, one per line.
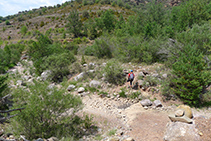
point(131, 118)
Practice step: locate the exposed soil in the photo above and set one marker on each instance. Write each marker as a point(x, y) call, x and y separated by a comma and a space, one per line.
point(133, 120)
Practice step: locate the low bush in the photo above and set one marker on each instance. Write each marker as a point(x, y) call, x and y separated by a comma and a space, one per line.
point(45, 114)
point(100, 49)
point(9, 56)
point(58, 64)
point(114, 73)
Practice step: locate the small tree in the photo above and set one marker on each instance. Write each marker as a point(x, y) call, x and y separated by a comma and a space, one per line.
point(191, 75)
point(45, 114)
point(24, 30)
point(75, 25)
point(114, 73)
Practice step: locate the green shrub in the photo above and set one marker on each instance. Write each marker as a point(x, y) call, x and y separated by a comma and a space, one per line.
point(134, 95)
point(189, 13)
point(7, 22)
point(9, 56)
point(23, 30)
point(100, 49)
point(190, 75)
point(122, 94)
point(77, 40)
point(58, 64)
point(199, 35)
point(3, 88)
point(114, 73)
point(92, 89)
point(72, 47)
point(45, 114)
point(42, 24)
point(74, 25)
point(83, 60)
point(3, 29)
point(112, 132)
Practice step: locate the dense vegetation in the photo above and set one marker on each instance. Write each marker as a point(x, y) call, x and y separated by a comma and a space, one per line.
point(177, 36)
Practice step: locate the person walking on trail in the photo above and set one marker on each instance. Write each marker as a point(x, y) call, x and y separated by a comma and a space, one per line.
point(131, 77)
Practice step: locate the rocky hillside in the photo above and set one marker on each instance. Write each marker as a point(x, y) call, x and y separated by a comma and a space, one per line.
point(142, 114)
point(64, 71)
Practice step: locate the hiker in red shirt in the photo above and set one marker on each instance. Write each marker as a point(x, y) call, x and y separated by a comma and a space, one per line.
point(131, 77)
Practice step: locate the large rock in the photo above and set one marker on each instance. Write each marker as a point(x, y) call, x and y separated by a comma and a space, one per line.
point(39, 139)
point(146, 102)
point(158, 103)
point(45, 75)
point(187, 110)
point(184, 119)
point(95, 83)
point(81, 90)
point(53, 139)
point(91, 71)
point(129, 139)
point(179, 113)
point(178, 131)
point(20, 83)
point(80, 76)
point(70, 87)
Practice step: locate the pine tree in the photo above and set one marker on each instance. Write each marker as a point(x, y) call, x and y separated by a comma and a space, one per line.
point(75, 25)
point(191, 75)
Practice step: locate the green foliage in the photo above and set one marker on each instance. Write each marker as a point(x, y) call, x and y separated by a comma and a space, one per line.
point(74, 24)
point(77, 40)
point(4, 29)
point(190, 12)
point(7, 22)
point(92, 89)
point(9, 37)
point(9, 56)
point(23, 30)
point(58, 64)
point(45, 114)
point(199, 36)
point(100, 49)
point(107, 21)
point(112, 132)
point(114, 73)
point(63, 35)
point(42, 24)
point(90, 30)
point(190, 75)
point(72, 47)
point(134, 95)
point(122, 94)
point(83, 60)
point(49, 56)
point(3, 88)
point(3, 85)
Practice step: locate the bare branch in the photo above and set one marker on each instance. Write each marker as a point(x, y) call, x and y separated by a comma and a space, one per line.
point(12, 110)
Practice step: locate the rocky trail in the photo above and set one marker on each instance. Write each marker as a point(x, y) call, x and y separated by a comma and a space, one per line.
point(132, 121)
point(129, 119)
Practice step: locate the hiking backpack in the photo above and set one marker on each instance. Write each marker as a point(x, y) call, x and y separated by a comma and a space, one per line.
point(131, 76)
